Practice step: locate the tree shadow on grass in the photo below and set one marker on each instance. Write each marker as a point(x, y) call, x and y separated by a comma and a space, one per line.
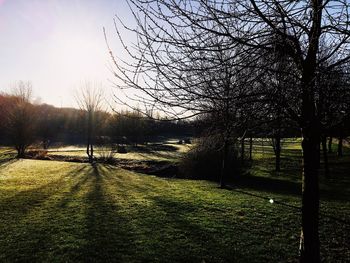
point(182, 230)
point(70, 195)
point(337, 186)
point(285, 187)
point(32, 219)
point(205, 234)
point(4, 162)
point(107, 232)
point(174, 228)
point(161, 229)
point(24, 201)
point(291, 166)
point(67, 220)
point(266, 184)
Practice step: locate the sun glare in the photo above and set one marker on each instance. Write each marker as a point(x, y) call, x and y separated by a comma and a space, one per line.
point(64, 45)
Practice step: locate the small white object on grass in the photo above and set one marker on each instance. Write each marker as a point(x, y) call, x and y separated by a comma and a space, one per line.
point(271, 201)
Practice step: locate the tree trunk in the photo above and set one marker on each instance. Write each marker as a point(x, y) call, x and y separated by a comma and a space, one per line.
point(242, 150)
point(325, 156)
point(88, 145)
point(340, 146)
point(89, 149)
point(18, 152)
point(310, 128)
point(21, 149)
point(250, 148)
point(277, 134)
point(278, 153)
point(309, 240)
point(224, 165)
point(91, 152)
point(330, 144)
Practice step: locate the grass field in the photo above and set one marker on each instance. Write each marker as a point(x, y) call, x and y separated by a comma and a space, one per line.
point(164, 152)
point(74, 212)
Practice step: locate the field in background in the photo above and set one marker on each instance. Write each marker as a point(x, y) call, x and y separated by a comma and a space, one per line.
point(74, 212)
point(168, 151)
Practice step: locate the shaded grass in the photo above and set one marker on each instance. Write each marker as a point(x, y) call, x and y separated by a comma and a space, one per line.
point(71, 212)
point(337, 187)
point(262, 178)
point(6, 155)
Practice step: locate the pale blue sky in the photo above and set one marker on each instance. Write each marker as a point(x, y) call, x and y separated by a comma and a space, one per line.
point(57, 44)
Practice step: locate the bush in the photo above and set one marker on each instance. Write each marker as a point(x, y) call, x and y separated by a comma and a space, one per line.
point(121, 149)
point(204, 161)
point(187, 141)
point(106, 154)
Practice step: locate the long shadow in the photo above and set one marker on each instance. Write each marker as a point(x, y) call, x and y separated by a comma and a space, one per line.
point(215, 239)
point(163, 231)
point(199, 230)
point(75, 188)
point(62, 220)
point(197, 242)
point(130, 186)
point(266, 184)
point(284, 187)
point(26, 200)
point(108, 235)
point(7, 161)
point(80, 224)
point(7, 157)
point(272, 185)
point(337, 186)
point(32, 218)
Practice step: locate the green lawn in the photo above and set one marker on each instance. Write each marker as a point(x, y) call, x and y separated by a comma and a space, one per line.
point(73, 212)
point(170, 152)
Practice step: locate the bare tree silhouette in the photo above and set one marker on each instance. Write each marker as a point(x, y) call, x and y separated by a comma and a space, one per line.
point(90, 99)
point(173, 37)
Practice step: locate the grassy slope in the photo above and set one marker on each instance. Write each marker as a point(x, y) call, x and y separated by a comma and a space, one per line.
point(56, 211)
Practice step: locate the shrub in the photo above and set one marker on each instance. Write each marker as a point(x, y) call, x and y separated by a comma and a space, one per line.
point(106, 154)
point(204, 161)
point(187, 141)
point(121, 149)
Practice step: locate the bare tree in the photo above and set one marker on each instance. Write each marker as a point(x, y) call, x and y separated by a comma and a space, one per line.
point(21, 117)
point(90, 100)
point(186, 79)
point(333, 103)
point(171, 32)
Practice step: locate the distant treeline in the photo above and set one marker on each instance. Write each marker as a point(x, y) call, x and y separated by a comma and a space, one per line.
point(45, 124)
point(24, 123)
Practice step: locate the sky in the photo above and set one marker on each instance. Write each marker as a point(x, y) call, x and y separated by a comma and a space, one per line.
point(58, 44)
